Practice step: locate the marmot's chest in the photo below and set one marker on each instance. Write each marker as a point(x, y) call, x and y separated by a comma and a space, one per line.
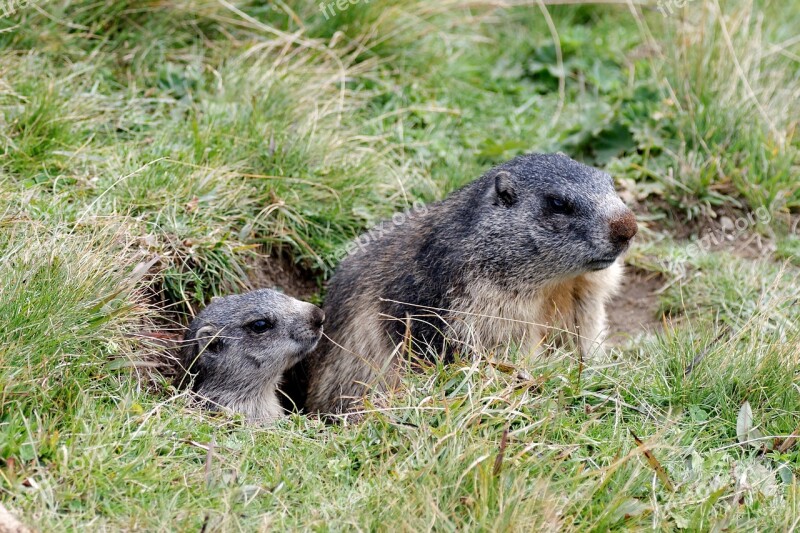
point(487, 318)
point(260, 406)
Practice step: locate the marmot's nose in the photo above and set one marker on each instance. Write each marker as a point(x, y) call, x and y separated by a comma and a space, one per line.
point(623, 227)
point(317, 317)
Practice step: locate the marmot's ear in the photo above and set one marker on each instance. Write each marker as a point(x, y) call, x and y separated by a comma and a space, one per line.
point(206, 341)
point(193, 347)
point(504, 188)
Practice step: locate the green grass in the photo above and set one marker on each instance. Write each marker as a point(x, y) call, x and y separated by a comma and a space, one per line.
point(194, 137)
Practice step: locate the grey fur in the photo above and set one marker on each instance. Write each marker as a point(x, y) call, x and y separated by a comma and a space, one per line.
point(237, 362)
point(500, 260)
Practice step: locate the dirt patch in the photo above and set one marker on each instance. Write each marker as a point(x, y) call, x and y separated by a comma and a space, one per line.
point(728, 230)
point(635, 308)
point(278, 272)
point(745, 245)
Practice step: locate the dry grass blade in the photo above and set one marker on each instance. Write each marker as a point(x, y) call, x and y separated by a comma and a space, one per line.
point(654, 464)
point(699, 357)
point(498, 462)
point(790, 441)
point(209, 460)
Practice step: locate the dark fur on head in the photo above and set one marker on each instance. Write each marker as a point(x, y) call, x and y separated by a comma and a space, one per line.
point(488, 248)
point(238, 348)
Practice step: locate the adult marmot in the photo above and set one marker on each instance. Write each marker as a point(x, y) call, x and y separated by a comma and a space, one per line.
point(529, 248)
point(237, 349)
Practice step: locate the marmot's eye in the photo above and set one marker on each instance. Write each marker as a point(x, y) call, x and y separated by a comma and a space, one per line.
point(558, 205)
point(260, 326)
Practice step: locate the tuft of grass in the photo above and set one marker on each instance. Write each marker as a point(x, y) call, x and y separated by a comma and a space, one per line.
point(37, 133)
point(67, 307)
point(732, 94)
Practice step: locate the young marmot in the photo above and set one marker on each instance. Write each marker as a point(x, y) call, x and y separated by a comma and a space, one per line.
point(529, 248)
point(238, 348)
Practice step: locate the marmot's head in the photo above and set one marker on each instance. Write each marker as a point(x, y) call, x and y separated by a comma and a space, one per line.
point(241, 344)
point(546, 216)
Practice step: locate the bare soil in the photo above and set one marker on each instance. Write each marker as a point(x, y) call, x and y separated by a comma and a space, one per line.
point(278, 272)
point(635, 308)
